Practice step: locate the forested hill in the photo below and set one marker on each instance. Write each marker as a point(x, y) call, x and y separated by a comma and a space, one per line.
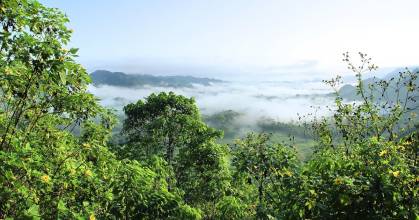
point(396, 84)
point(104, 77)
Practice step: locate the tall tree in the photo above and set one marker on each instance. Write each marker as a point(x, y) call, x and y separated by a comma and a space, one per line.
point(264, 165)
point(162, 125)
point(170, 126)
point(202, 172)
point(46, 170)
point(42, 94)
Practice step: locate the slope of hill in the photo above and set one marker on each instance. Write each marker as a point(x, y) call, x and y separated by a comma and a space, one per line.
point(103, 77)
point(348, 92)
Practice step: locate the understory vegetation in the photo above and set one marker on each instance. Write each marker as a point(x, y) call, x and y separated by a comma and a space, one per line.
point(57, 161)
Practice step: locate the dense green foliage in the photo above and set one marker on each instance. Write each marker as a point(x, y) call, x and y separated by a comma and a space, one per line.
point(46, 171)
point(265, 167)
point(286, 133)
point(169, 126)
point(225, 121)
point(169, 163)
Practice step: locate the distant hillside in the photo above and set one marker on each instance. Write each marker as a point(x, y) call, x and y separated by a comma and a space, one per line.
point(348, 92)
point(103, 77)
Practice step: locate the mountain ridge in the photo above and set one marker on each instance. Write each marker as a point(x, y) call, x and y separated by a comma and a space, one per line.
point(349, 92)
point(120, 79)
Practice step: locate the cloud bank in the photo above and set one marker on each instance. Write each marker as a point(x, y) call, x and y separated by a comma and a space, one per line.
point(279, 100)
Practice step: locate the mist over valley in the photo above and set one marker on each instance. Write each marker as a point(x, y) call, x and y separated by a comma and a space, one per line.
point(253, 99)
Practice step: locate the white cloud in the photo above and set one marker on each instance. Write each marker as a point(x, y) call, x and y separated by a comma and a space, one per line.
point(277, 100)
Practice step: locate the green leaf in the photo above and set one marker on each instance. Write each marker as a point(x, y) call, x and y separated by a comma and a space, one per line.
point(74, 50)
point(62, 206)
point(33, 212)
point(63, 77)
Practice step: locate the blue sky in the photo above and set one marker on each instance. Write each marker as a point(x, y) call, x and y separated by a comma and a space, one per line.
point(240, 36)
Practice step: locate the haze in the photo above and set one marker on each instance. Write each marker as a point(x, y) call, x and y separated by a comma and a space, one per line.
point(280, 101)
point(240, 37)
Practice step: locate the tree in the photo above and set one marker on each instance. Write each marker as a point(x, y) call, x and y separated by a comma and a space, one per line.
point(385, 108)
point(142, 194)
point(161, 125)
point(363, 166)
point(47, 170)
point(203, 173)
point(265, 165)
point(43, 92)
point(231, 208)
point(373, 182)
point(170, 126)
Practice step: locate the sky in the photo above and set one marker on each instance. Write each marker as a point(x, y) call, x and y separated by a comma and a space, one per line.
point(230, 37)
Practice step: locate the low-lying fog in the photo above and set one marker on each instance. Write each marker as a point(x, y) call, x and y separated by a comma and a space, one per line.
point(279, 100)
